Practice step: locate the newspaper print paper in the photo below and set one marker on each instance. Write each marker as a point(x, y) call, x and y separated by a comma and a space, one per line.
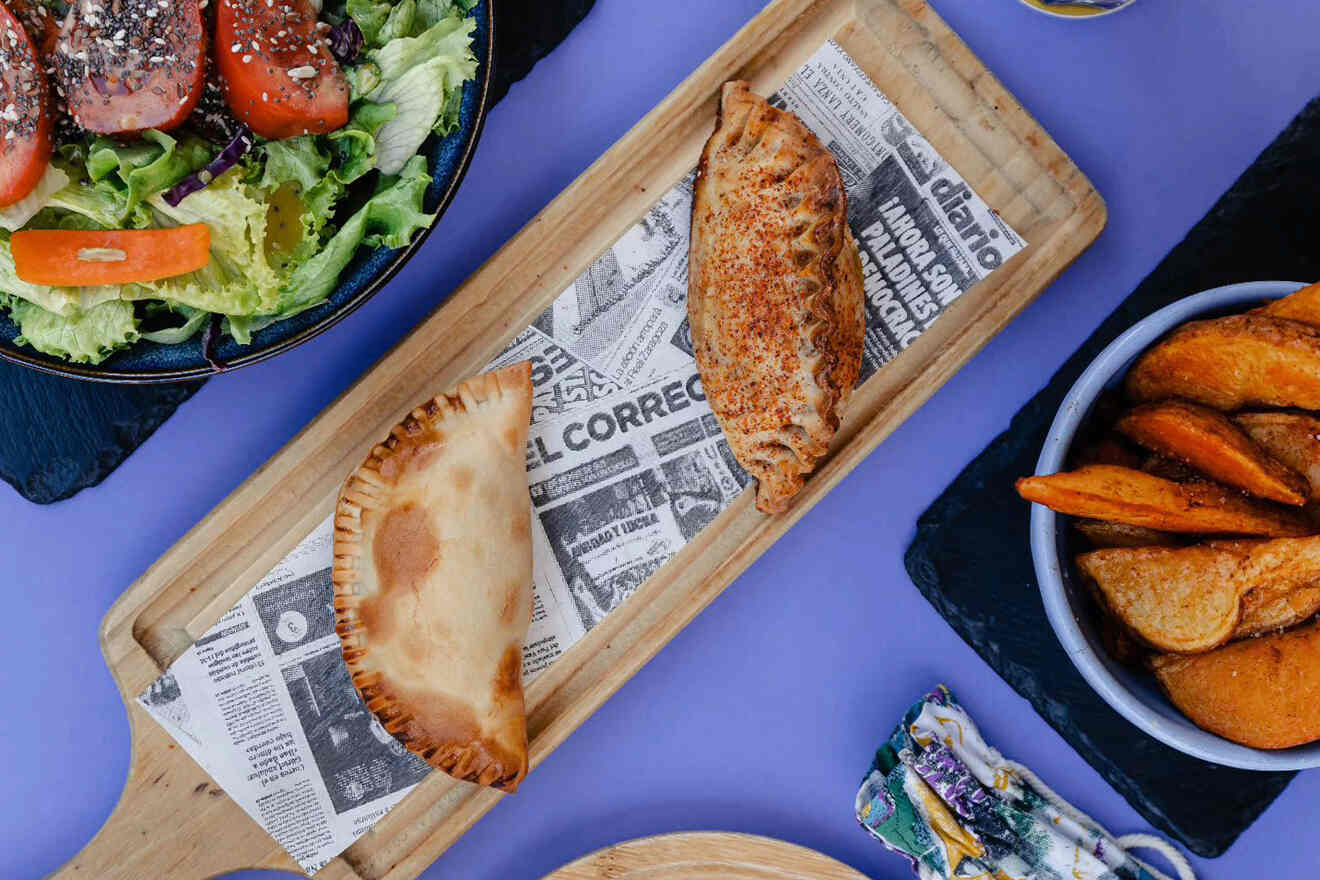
point(625, 464)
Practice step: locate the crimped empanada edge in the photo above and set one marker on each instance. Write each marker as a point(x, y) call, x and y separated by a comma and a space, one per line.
point(363, 489)
point(776, 486)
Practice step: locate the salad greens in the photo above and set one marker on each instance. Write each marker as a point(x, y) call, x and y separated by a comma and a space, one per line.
point(86, 336)
point(284, 221)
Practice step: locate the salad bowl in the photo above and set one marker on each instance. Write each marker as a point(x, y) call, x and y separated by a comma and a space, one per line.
point(145, 362)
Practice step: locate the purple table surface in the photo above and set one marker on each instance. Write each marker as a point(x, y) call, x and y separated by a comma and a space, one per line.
point(762, 716)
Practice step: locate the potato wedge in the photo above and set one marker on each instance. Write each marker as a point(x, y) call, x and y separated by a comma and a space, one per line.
point(1271, 609)
point(1211, 443)
point(1103, 534)
point(1180, 600)
point(1124, 495)
point(1283, 578)
point(1292, 438)
point(1234, 362)
point(1263, 693)
point(1192, 599)
point(1304, 306)
point(1120, 645)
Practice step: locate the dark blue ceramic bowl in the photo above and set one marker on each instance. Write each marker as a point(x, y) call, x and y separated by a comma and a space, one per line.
point(148, 362)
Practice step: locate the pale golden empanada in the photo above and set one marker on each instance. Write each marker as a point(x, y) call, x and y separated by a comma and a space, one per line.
point(774, 292)
point(433, 578)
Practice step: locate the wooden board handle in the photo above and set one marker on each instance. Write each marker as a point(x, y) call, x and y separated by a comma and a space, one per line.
point(172, 821)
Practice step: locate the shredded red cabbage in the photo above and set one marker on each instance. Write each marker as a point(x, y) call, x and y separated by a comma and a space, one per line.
point(346, 41)
point(227, 159)
point(210, 339)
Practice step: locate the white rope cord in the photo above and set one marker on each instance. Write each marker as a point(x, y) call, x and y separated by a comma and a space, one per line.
point(1163, 847)
point(1128, 842)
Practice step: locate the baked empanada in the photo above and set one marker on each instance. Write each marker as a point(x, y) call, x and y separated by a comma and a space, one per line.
point(774, 292)
point(433, 578)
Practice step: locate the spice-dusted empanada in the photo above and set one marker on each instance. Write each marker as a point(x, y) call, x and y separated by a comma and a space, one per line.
point(433, 578)
point(774, 292)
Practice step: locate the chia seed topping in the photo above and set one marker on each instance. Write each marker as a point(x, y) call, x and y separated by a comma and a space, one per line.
point(290, 68)
point(116, 83)
point(23, 89)
point(211, 118)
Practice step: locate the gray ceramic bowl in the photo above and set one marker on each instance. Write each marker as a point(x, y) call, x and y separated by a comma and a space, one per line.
point(1134, 694)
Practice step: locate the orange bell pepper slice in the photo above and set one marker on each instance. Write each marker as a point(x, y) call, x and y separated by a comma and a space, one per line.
point(80, 258)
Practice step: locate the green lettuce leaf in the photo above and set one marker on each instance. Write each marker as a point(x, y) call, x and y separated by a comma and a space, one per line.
point(194, 321)
point(447, 124)
point(382, 22)
point(450, 39)
point(84, 337)
point(389, 219)
point(355, 143)
point(298, 160)
point(239, 280)
point(362, 80)
point(395, 212)
point(241, 327)
point(399, 22)
point(419, 75)
point(432, 12)
point(132, 172)
point(297, 181)
point(104, 209)
point(16, 215)
point(370, 18)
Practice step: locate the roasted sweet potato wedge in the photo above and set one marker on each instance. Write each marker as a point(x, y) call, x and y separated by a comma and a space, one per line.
point(1211, 443)
point(1263, 693)
point(1110, 448)
point(1304, 306)
point(1292, 438)
point(1234, 362)
point(1103, 534)
point(1166, 468)
point(1124, 495)
point(1192, 599)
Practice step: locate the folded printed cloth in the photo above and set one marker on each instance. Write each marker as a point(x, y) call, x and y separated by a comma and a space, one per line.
point(938, 794)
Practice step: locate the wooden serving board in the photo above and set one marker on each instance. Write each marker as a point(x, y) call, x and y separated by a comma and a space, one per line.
point(946, 93)
point(706, 855)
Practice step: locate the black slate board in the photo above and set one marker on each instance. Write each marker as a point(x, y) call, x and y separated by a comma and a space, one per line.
point(59, 436)
point(980, 577)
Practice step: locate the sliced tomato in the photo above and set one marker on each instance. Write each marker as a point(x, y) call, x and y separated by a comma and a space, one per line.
point(276, 69)
point(25, 119)
point(78, 258)
point(129, 65)
point(40, 25)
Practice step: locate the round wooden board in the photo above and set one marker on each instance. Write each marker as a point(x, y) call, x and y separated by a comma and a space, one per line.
point(706, 855)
